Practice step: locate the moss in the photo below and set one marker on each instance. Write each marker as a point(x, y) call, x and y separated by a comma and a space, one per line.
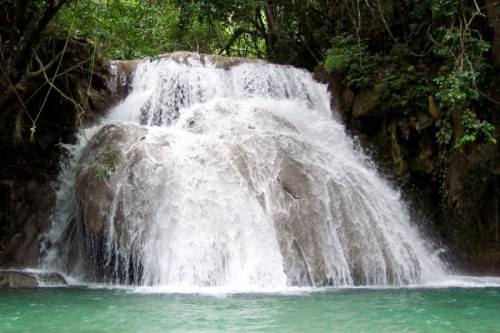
point(366, 103)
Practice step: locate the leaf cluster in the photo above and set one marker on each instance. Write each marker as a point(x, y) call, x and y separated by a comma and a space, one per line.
point(123, 29)
point(439, 50)
point(350, 56)
point(108, 168)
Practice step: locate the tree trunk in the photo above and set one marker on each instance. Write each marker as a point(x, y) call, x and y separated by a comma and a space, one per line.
point(21, 36)
point(493, 13)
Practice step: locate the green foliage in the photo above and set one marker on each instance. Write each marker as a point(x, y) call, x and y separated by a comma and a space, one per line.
point(464, 71)
point(342, 54)
point(400, 86)
point(443, 32)
point(404, 88)
point(108, 169)
point(444, 132)
point(446, 33)
point(124, 29)
point(454, 91)
point(131, 29)
point(349, 55)
point(475, 130)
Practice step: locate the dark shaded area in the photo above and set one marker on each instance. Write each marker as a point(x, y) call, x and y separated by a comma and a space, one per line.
point(32, 139)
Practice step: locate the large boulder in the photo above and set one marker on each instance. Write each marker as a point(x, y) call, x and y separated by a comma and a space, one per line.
point(138, 186)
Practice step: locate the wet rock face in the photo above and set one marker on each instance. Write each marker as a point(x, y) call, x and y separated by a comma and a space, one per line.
point(111, 189)
point(107, 188)
point(321, 243)
point(106, 167)
point(26, 217)
point(121, 72)
point(24, 279)
point(223, 62)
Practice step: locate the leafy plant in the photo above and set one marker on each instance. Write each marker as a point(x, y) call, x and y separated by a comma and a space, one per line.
point(464, 70)
point(404, 88)
point(124, 29)
point(475, 130)
point(347, 54)
point(108, 169)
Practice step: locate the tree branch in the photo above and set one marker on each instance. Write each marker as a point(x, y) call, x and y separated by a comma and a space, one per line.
point(237, 33)
point(32, 34)
point(46, 67)
point(72, 101)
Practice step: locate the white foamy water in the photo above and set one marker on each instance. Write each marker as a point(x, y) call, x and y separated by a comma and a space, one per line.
point(234, 178)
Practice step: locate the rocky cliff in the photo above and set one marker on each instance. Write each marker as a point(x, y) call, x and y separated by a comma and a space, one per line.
point(457, 189)
point(66, 88)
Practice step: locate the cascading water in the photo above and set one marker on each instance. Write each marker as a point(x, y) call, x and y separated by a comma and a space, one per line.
point(234, 175)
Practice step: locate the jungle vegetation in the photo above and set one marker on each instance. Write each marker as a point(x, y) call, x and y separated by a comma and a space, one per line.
point(444, 48)
point(412, 57)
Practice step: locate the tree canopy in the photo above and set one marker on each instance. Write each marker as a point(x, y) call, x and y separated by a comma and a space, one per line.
point(414, 50)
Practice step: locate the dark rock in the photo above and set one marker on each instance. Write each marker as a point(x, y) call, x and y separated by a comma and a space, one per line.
point(456, 188)
point(364, 105)
point(26, 279)
point(29, 165)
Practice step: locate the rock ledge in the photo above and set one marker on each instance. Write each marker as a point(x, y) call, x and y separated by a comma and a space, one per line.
point(29, 279)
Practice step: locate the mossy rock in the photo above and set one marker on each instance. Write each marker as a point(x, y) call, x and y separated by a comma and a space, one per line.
point(366, 102)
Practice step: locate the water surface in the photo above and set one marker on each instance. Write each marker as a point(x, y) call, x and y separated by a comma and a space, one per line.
point(82, 309)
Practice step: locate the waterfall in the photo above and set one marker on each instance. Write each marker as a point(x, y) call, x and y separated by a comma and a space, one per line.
point(229, 172)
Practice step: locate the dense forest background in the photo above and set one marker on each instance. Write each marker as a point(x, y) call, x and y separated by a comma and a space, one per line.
point(415, 80)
